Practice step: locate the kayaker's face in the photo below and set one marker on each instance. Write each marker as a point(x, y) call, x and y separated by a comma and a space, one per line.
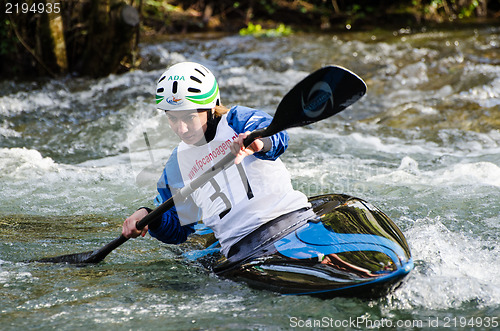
point(189, 125)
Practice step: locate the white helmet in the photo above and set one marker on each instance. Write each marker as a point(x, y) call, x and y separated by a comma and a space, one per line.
point(186, 86)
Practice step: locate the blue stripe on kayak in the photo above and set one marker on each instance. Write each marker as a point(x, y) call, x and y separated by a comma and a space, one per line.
point(314, 238)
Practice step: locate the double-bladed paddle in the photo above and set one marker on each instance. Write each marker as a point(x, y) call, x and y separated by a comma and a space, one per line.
point(322, 94)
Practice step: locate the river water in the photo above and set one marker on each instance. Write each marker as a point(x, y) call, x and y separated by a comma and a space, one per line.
point(423, 145)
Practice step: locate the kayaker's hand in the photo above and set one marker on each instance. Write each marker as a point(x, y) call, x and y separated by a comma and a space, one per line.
point(129, 230)
point(240, 151)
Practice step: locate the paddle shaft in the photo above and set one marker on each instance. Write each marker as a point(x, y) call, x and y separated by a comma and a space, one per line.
point(181, 195)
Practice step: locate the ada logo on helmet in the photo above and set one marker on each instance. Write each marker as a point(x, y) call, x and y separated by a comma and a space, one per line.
point(317, 99)
point(173, 100)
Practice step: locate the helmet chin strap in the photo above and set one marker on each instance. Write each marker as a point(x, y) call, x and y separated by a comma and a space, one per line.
point(212, 122)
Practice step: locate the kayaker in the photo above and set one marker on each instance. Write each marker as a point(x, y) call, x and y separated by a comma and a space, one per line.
point(238, 200)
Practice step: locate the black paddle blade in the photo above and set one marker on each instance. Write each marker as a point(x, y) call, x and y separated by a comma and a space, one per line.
point(86, 257)
point(78, 258)
point(322, 94)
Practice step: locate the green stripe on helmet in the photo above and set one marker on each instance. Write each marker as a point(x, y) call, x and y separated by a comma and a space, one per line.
point(159, 99)
point(206, 98)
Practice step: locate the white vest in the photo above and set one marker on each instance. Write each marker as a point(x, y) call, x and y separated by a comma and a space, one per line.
point(242, 197)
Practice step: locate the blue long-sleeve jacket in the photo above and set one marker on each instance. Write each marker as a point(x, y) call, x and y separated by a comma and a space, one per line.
point(169, 229)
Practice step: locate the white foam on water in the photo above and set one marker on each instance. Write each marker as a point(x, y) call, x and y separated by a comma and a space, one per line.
point(487, 96)
point(24, 101)
point(33, 184)
point(7, 132)
point(354, 142)
point(10, 105)
point(451, 269)
point(479, 173)
point(19, 163)
point(474, 174)
point(455, 143)
point(391, 147)
point(46, 97)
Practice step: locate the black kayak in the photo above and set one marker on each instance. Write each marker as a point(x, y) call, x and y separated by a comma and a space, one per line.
point(343, 246)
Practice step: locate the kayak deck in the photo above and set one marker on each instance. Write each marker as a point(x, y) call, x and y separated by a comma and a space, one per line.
point(346, 247)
